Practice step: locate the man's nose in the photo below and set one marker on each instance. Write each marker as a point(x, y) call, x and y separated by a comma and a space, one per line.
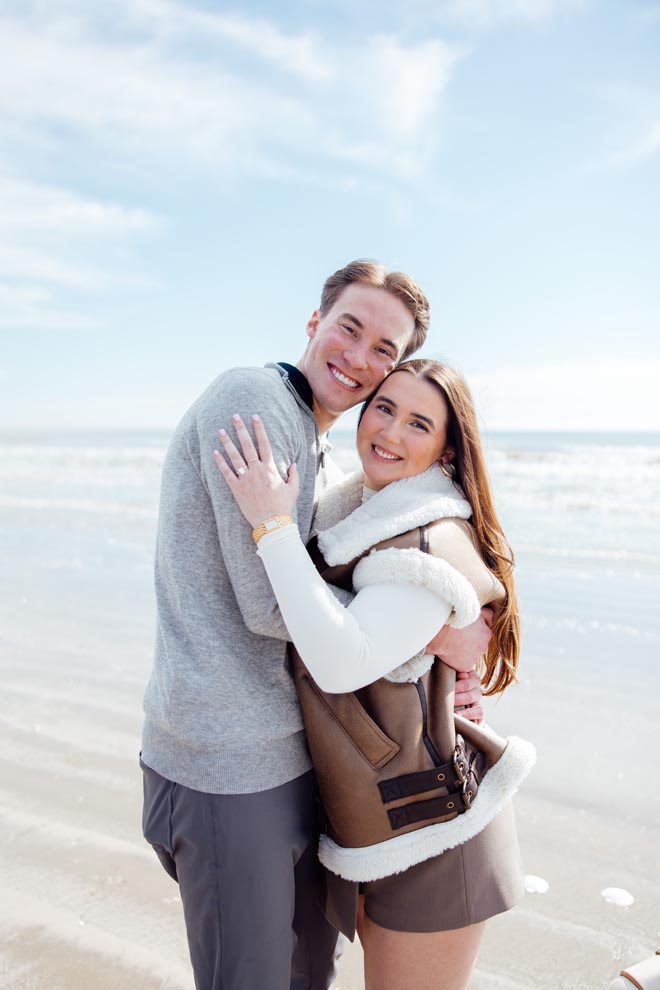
point(357, 355)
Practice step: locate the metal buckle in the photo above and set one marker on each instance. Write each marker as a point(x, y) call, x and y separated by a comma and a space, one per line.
point(460, 763)
point(465, 794)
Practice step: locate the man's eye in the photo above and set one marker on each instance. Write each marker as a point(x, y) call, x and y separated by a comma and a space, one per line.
point(385, 409)
point(385, 353)
point(348, 329)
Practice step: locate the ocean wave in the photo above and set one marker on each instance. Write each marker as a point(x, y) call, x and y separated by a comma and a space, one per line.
point(610, 504)
point(89, 467)
point(82, 505)
point(572, 553)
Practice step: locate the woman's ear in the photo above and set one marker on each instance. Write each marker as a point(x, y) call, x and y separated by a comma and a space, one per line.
point(447, 455)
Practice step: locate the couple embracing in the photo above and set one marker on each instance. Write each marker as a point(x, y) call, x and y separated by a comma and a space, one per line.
point(301, 613)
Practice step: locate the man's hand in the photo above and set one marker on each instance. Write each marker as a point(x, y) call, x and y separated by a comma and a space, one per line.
point(467, 695)
point(462, 648)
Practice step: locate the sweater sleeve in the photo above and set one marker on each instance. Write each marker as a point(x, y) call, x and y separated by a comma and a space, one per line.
point(346, 648)
point(246, 391)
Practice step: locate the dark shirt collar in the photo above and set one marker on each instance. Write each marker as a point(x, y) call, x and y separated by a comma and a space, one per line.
point(300, 383)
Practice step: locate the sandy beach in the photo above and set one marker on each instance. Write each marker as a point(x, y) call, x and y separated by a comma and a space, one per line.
point(84, 902)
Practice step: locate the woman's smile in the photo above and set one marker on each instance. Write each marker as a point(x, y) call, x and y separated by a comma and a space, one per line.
point(385, 455)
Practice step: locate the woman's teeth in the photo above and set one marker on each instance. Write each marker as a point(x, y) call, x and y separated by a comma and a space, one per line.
point(384, 454)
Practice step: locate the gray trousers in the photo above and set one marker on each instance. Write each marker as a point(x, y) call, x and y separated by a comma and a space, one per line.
point(250, 882)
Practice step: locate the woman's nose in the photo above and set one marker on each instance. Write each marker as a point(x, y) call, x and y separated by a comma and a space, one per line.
point(391, 431)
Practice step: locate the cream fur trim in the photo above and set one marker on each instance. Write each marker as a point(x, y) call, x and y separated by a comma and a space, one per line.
point(394, 855)
point(396, 509)
point(411, 566)
point(338, 501)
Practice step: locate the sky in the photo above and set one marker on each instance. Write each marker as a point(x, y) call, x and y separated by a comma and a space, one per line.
point(177, 179)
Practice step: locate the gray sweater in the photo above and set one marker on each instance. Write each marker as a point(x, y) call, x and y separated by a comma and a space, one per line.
point(221, 712)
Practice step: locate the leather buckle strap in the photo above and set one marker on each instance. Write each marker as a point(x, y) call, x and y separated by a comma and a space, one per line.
point(448, 806)
point(461, 764)
point(465, 773)
point(408, 784)
point(468, 792)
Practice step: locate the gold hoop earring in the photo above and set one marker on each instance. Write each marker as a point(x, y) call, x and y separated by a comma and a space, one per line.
point(448, 470)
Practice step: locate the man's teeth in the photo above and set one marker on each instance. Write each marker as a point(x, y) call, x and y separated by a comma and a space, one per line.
point(384, 453)
point(343, 379)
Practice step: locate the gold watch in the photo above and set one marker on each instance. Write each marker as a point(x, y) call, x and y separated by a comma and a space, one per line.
point(270, 525)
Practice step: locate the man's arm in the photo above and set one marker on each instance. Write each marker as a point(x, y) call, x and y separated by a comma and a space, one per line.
point(247, 391)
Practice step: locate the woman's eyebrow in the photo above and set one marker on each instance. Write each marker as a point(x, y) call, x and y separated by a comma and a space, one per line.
point(426, 419)
point(391, 402)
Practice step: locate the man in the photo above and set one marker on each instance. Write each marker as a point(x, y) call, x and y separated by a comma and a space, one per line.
point(229, 793)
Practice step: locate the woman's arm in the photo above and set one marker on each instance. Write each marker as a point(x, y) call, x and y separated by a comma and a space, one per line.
point(346, 648)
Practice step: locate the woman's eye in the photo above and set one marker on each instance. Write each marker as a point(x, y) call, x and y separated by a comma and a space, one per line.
point(385, 409)
point(421, 426)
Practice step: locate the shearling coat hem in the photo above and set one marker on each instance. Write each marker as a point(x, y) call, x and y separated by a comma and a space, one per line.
point(401, 852)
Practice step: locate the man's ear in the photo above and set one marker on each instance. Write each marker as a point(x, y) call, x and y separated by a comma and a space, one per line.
point(447, 455)
point(312, 324)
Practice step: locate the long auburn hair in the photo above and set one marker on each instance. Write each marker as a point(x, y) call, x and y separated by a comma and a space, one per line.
point(471, 478)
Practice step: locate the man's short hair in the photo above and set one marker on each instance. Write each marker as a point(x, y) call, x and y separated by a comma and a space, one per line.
point(367, 272)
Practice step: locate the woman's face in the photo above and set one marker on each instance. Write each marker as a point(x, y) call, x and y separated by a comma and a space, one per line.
point(403, 430)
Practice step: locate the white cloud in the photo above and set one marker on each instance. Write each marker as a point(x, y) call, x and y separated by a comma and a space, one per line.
point(32, 206)
point(646, 148)
point(18, 262)
point(649, 14)
point(593, 395)
point(301, 55)
point(146, 92)
point(488, 13)
point(164, 88)
point(43, 232)
point(34, 307)
point(633, 127)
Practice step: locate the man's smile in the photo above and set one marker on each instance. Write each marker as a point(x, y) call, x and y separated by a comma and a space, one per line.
point(342, 378)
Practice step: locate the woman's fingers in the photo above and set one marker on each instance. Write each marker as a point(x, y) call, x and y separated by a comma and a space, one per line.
point(249, 450)
point(236, 459)
point(263, 442)
point(224, 468)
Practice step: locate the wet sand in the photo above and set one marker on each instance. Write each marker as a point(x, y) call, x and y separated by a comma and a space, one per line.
point(85, 904)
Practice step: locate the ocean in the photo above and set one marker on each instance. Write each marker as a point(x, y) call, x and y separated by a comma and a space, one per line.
point(578, 508)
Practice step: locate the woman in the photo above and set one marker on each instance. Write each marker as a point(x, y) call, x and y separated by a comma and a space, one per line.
point(434, 860)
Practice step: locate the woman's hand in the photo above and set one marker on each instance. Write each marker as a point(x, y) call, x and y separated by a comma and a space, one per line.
point(253, 478)
point(467, 696)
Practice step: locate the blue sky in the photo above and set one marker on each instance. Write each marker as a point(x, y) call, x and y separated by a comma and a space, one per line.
point(177, 179)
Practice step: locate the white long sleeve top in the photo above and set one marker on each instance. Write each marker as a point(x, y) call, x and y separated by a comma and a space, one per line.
point(345, 648)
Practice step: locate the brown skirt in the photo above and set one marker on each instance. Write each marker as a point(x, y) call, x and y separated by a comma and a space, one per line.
point(463, 886)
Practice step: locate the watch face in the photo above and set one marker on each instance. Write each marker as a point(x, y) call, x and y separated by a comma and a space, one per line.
point(270, 525)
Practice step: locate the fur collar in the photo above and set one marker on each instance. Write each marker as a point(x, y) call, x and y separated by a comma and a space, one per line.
point(346, 528)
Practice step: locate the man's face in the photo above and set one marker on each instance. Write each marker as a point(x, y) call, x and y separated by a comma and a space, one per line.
point(352, 347)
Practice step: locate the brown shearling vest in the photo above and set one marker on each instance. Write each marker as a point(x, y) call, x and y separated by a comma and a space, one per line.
point(390, 757)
